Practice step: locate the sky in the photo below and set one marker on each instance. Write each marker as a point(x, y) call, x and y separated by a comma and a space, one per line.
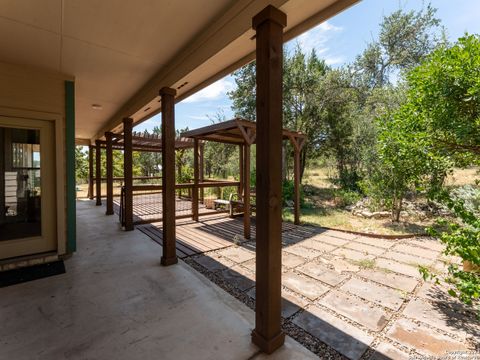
point(338, 41)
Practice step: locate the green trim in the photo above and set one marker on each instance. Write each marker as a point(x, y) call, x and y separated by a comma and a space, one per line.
point(70, 161)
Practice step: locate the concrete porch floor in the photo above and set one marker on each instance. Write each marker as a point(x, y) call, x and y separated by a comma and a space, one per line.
point(117, 302)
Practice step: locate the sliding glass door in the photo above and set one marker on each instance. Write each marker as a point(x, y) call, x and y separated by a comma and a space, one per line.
point(27, 187)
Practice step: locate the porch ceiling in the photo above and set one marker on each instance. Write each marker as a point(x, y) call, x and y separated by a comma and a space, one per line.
point(122, 52)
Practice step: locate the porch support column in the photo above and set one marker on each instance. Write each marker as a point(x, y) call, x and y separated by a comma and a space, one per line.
point(202, 170)
point(195, 180)
point(169, 255)
point(98, 172)
point(128, 172)
point(269, 24)
point(109, 162)
point(241, 170)
point(90, 172)
point(246, 198)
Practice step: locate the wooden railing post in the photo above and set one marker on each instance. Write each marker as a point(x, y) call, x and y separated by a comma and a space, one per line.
point(109, 164)
point(241, 170)
point(128, 172)
point(296, 174)
point(246, 198)
point(269, 24)
point(98, 172)
point(195, 180)
point(201, 170)
point(90, 172)
point(167, 96)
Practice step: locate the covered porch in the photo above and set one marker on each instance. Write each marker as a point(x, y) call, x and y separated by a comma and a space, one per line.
point(115, 302)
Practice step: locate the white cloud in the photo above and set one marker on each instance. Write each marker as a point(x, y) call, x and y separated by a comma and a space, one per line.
point(212, 92)
point(319, 38)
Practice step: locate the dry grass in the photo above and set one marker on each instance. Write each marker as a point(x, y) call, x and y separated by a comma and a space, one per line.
point(461, 177)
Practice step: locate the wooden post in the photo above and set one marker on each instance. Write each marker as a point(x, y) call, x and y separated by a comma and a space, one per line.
point(98, 172)
point(242, 168)
point(195, 181)
point(169, 256)
point(90, 172)
point(128, 172)
point(296, 174)
point(109, 163)
point(269, 24)
point(202, 171)
point(246, 198)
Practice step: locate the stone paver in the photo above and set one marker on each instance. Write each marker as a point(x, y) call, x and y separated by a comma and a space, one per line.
point(237, 254)
point(427, 243)
point(290, 260)
point(355, 309)
point(347, 339)
point(303, 252)
point(340, 234)
point(389, 298)
point(212, 262)
point(290, 303)
point(250, 265)
point(408, 249)
point(331, 240)
point(318, 245)
point(352, 254)
point(408, 259)
point(423, 339)
point(307, 287)
point(386, 351)
point(444, 317)
point(386, 244)
point(396, 281)
point(322, 273)
point(398, 267)
point(239, 277)
point(340, 265)
point(364, 248)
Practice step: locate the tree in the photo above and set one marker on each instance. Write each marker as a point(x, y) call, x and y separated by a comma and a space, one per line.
point(81, 165)
point(405, 38)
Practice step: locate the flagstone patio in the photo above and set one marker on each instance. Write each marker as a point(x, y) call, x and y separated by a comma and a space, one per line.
point(363, 297)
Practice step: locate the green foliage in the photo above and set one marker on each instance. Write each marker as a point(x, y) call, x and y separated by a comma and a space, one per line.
point(462, 238)
point(288, 192)
point(347, 197)
point(81, 165)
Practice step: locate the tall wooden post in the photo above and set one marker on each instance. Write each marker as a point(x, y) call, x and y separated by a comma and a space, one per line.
point(296, 174)
point(90, 172)
point(246, 198)
point(169, 255)
point(195, 181)
point(98, 172)
point(241, 169)
point(109, 163)
point(128, 172)
point(269, 24)
point(202, 170)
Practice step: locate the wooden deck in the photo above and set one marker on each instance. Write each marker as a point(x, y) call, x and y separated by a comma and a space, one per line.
point(212, 232)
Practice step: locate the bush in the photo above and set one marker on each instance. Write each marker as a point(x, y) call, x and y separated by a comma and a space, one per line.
point(347, 197)
point(288, 192)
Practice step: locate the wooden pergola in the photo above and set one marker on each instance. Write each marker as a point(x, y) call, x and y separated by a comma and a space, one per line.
point(136, 141)
point(243, 133)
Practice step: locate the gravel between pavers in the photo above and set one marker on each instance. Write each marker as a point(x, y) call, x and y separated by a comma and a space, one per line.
point(308, 341)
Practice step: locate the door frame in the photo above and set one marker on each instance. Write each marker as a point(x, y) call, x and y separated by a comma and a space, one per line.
point(59, 167)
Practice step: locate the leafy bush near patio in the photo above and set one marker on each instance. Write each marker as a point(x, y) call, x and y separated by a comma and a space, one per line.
point(462, 238)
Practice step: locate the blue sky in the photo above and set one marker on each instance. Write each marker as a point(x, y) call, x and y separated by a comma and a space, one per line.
point(338, 41)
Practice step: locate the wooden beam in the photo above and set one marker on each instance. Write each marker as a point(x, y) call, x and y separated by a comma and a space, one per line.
point(98, 172)
point(90, 171)
point(246, 198)
point(195, 181)
point(169, 255)
point(269, 24)
point(128, 172)
point(109, 164)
